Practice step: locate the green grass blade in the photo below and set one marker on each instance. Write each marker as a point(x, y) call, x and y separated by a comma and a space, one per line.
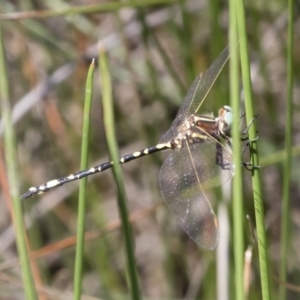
point(168, 64)
point(11, 164)
point(154, 80)
point(83, 181)
point(285, 217)
point(185, 37)
point(278, 156)
point(257, 192)
point(238, 214)
point(109, 125)
point(217, 42)
point(83, 9)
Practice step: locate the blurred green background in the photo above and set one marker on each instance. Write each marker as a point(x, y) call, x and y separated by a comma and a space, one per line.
point(154, 53)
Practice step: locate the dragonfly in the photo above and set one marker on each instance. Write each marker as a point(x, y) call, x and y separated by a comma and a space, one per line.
point(201, 159)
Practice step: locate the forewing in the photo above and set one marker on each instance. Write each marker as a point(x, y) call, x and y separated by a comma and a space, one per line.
point(197, 94)
point(184, 177)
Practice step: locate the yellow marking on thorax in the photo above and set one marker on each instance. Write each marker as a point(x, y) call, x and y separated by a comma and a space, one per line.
point(198, 135)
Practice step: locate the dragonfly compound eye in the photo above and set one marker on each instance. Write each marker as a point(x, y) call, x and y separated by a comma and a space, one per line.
point(228, 117)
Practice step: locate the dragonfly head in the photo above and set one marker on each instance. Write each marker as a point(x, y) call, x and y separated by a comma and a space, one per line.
point(225, 119)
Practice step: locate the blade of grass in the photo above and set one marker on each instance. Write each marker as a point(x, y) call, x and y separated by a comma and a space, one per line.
point(83, 9)
point(279, 156)
point(109, 126)
point(83, 181)
point(237, 205)
point(168, 64)
point(186, 38)
point(257, 192)
point(216, 43)
point(11, 163)
point(145, 33)
point(285, 216)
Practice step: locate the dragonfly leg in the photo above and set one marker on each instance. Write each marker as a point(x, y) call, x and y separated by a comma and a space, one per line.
point(219, 158)
point(244, 137)
point(242, 115)
point(245, 132)
point(247, 165)
point(249, 143)
point(250, 167)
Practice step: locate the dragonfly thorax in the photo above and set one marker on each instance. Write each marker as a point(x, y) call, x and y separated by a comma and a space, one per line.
point(196, 129)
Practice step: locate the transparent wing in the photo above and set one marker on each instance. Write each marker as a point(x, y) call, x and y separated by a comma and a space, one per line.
point(197, 94)
point(184, 177)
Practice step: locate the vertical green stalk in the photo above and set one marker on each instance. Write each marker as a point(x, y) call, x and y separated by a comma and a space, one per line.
point(238, 214)
point(168, 64)
point(82, 187)
point(257, 193)
point(154, 82)
point(285, 217)
point(109, 126)
point(216, 30)
point(11, 164)
point(186, 43)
